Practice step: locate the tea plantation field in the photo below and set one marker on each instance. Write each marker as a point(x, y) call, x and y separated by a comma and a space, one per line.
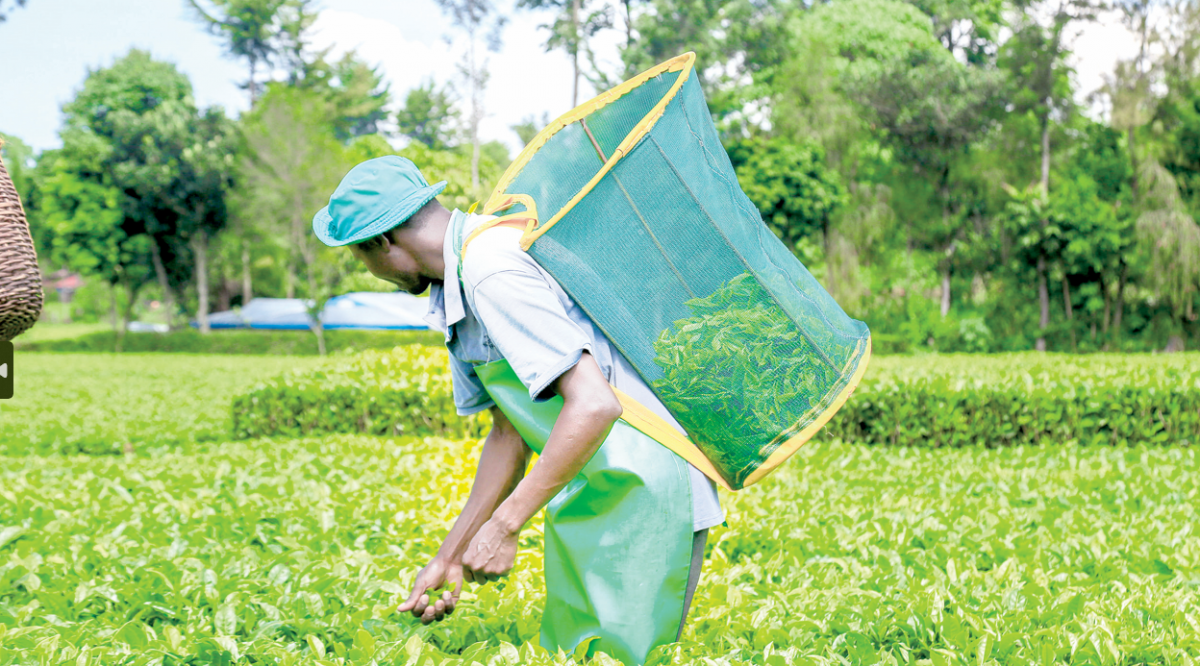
point(298, 550)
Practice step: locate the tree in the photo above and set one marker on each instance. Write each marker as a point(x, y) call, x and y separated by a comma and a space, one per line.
point(1172, 240)
point(355, 93)
point(171, 162)
point(480, 22)
point(932, 108)
point(1036, 59)
point(791, 186)
point(250, 29)
point(575, 24)
point(293, 162)
point(89, 231)
point(429, 116)
point(738, 46)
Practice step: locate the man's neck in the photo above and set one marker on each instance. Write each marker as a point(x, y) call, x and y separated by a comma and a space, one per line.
point(433, 243)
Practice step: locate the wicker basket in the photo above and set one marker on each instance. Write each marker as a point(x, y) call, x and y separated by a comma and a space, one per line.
point(20, 280)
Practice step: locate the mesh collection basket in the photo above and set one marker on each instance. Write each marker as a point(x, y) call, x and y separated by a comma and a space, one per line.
point(631, 203)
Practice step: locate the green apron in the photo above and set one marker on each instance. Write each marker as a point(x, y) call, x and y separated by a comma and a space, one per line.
point(618, 536)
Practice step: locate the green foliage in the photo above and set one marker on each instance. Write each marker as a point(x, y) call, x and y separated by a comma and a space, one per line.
point(957, 401)
point(105, 403)
point(454, 166)
point(251, 29)
point(429, 116)
point(298, 551)
point(739, 373)
point(791, 185)
point(355, 93)
point(405, 391)
point(190, 341)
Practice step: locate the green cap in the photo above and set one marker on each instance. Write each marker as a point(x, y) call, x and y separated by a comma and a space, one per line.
point(374, 197)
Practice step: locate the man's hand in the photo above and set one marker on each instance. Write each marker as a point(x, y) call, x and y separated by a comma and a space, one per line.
point(491, 553)
point(437, 574)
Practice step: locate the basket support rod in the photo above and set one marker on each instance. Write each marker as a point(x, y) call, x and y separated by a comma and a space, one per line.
point(662, 250)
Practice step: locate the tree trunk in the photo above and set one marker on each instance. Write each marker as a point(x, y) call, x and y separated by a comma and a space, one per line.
point(1116, 324)
point(253, 88)
point(1046, 154)
point(945, 291)
point(628, 25)
point(578, 36)
point(289, 283)
point(1044, 302)
point(247, 292)
point(1070, 312)
point(1107, 304)
point(946, 279)
point(200, 248)
point(160, 272)
point(113, 315)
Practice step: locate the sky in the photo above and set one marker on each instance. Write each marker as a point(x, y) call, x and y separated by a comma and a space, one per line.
point(47, 48)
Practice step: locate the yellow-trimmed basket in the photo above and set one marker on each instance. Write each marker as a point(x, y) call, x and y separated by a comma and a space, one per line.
point(630, 202)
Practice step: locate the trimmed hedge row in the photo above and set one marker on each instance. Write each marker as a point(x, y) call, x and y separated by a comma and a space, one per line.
point(932, 401)
point(936, 414)
point(189, 341)
point(405, 391)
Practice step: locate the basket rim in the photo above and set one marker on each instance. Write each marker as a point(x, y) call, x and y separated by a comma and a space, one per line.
point(500, 199)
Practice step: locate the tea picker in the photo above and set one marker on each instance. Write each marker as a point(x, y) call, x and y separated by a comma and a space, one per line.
point(621, 309)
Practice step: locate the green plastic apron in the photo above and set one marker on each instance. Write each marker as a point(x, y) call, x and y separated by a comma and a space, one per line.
point(618, 536)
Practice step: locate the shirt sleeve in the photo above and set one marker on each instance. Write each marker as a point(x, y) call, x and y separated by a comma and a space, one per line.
point(469, 395)
point(529, 325)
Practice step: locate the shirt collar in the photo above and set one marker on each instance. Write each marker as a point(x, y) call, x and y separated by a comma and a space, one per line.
point(446, 300)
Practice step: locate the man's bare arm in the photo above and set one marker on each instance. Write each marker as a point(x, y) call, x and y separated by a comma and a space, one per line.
point(589, 410)
point(501, 466)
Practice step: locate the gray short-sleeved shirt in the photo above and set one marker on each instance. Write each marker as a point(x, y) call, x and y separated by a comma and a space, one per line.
point(513, 309)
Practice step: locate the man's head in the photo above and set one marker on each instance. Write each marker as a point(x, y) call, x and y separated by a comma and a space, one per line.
point(409, 254)
point(386, 212)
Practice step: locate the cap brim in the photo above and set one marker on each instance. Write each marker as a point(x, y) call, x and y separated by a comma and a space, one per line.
point(323, 221)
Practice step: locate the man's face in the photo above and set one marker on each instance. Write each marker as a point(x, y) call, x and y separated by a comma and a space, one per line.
point(392, 263)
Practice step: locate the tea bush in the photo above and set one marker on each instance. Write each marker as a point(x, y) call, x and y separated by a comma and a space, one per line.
point(189, 341)
point(279, 551)
point(929, 401)
point(1026, 398)
point(108, 403)
point(406, 391)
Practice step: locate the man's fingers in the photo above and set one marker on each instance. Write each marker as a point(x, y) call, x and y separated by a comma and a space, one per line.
point(422, 605)
point(417, 591)
point(428, 615)
point(439, 609)
point(450, 600)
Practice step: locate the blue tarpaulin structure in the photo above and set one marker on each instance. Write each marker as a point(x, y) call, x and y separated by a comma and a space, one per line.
point(357, 310)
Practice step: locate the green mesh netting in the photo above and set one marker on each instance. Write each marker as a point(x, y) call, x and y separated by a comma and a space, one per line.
point(674, 263)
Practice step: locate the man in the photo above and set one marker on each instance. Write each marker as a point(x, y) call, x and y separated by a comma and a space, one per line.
point(626, 518)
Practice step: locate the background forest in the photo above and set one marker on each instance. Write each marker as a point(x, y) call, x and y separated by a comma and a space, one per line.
point(929, 161)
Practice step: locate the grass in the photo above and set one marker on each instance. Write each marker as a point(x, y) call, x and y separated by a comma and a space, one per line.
point(279, 551)
point(106, 403)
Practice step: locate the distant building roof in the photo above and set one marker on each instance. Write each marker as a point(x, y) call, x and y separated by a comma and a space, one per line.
point(357, 310)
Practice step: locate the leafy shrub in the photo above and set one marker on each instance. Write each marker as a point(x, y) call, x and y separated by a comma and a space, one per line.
point(405, 391)
point(110, 403)
point(1027, 398)
point(189, 341)
point(947, 400)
